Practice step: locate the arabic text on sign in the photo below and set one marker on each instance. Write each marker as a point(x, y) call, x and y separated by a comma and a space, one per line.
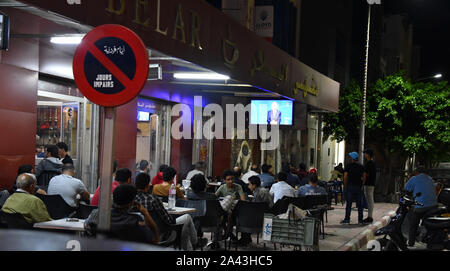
point(114, 50)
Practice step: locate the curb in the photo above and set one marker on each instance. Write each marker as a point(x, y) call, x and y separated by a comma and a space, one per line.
point(368, 234)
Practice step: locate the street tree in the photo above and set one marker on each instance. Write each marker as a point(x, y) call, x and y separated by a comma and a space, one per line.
point(402, 118)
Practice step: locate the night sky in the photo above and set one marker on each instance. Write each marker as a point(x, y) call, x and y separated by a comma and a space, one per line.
point(431, 24)
point(431, 21)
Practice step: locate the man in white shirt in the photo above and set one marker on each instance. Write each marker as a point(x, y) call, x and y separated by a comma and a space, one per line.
point(200, 168)
point(281, 188)
point(68, 187)
point(254, 171)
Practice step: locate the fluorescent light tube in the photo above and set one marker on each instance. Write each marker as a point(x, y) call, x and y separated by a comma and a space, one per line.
point(201, 76)
point(66, 40)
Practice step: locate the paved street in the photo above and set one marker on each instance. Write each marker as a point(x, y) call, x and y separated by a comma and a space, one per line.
point(337, 235)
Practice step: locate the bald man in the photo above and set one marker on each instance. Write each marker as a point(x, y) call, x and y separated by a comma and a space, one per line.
point(24, 202)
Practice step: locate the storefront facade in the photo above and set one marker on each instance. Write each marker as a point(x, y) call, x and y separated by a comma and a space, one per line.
point(174, 31)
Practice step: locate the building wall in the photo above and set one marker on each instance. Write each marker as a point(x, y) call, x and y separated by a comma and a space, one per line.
point(397, 44)
point(325, 37)
point(126, 135)
point(19, 74)
point(18, 99)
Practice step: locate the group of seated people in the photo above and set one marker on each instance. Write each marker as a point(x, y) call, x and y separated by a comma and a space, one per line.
point(136, 203)
point(22, 197)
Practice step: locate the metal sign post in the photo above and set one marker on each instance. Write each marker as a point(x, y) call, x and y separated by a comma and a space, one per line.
point(110, 67)
point(106, 168)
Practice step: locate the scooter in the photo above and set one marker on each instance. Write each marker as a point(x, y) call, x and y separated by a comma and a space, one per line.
point(433, 230)
point(393, 230)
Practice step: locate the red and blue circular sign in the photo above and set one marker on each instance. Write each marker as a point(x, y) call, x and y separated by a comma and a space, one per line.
point(110, 66)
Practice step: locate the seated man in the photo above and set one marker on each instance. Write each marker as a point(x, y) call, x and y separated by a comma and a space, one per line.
point(259, 194)
point(48, 167)
point(292, 179)
point(312, 187)
point(158, 178)
point(144, 167)
point(230, 188)
point(126, 225)
point(121, 176)
point(154, 204)
point(281, 188)
point(266, 177)
point(420, 183)
point(24, 202)
point(200, 168)
point(162, 190)
point(68, 187)
point(26, 169)
point(231, 192)
point(198, 188)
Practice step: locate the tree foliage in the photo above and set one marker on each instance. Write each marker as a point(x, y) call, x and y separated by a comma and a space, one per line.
point(401, 117)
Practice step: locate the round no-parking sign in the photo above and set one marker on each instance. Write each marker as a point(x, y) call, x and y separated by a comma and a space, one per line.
point(110, 66)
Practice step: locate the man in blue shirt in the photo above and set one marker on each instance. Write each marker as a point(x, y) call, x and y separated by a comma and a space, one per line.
point(424, 184)
point(311, 188)
point(266, 177)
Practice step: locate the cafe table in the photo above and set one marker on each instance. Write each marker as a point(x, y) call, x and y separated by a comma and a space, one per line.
point(64, 224)
point(178, 210)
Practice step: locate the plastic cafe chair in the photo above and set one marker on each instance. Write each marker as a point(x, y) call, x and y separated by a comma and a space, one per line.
point(83, 211)
point(212, 220)
point(311, 203)
point(250, 218)
point(15, 221)
point(56, 206)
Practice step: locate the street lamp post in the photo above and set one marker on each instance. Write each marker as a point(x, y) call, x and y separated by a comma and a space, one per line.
point(363, 116)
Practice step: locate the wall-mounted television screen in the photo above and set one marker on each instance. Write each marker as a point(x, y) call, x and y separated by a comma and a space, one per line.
point(271, 112)
point(143, 116)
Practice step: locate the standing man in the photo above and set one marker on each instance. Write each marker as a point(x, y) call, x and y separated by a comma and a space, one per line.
point(370, 172)
point(62, 153)
point(354, 182)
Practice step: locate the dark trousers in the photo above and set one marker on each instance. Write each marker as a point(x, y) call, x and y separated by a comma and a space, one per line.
point(354, 194)
point(414, 216)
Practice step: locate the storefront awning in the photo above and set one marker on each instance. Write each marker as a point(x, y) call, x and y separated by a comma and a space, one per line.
point(197, 32)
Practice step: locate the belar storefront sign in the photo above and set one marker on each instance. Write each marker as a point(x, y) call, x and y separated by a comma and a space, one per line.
point(142, 18)
point(197, 32)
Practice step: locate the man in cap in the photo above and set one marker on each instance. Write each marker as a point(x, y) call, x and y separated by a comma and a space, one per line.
point(353, 182)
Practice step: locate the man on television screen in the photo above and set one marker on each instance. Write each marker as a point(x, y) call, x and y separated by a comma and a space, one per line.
point(274, 115)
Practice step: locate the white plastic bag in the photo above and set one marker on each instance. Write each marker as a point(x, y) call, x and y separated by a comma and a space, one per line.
point(267, 229)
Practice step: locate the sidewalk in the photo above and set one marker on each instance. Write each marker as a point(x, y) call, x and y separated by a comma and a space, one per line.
point(338, 237)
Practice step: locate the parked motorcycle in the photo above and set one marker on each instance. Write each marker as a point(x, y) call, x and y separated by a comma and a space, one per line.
point(433, 230)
